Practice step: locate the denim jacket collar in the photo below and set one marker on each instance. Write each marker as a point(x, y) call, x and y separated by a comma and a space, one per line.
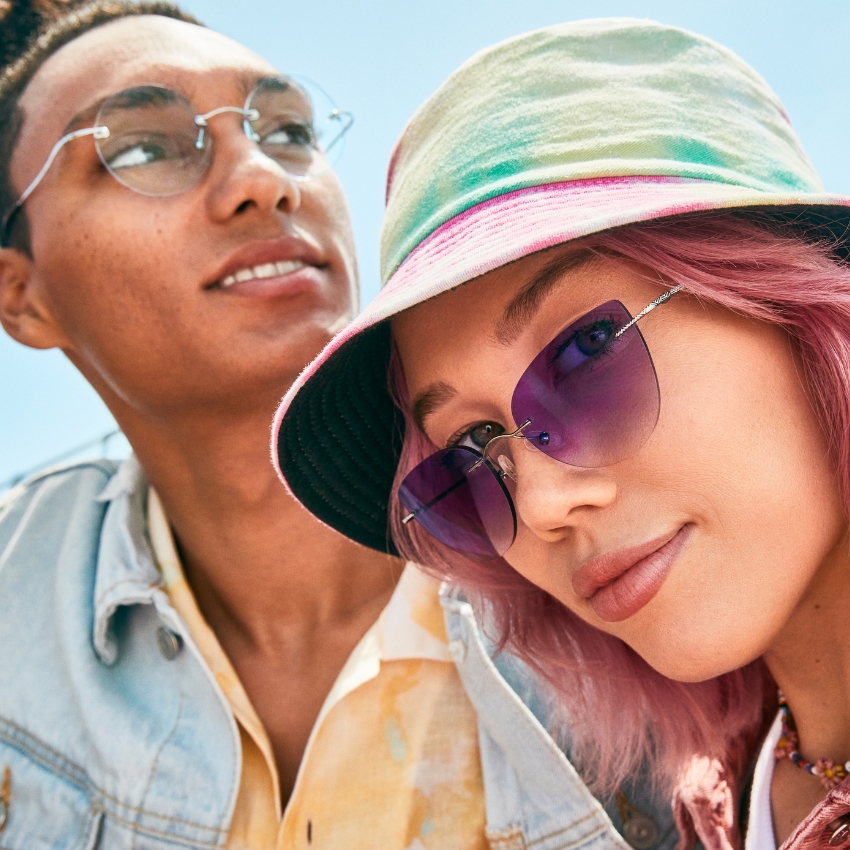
point(126, 572)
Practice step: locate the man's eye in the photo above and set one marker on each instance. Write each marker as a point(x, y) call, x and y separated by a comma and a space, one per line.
point(133, 150)
point(138, 154)
point(478, 436)
point(291, 133)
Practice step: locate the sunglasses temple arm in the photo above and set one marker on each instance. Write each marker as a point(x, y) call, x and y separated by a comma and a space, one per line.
point(434, 501)
point(648, 309)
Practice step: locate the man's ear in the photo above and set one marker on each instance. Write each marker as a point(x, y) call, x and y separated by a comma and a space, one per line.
point(22, 312)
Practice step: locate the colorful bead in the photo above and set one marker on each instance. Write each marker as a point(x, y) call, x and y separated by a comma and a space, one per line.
point(829, 773)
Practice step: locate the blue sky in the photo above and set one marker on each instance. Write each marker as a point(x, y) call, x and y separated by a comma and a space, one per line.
point(380, 60)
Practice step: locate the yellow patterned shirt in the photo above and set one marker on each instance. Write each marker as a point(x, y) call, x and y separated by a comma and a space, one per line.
point(392, 761)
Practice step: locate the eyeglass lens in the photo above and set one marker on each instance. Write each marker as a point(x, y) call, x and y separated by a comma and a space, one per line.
point(593, 400)
point(592, 397)
point(469, 512)
point(155, 146)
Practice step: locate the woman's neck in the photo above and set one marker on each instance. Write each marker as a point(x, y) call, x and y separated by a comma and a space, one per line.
point(810, 661)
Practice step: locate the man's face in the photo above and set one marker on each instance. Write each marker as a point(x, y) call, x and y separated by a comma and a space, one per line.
point(133, 282)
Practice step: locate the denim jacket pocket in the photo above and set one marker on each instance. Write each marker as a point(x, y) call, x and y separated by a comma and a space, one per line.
point(41, 809)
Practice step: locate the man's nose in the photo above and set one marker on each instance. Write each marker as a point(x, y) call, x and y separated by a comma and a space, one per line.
point(243, 178)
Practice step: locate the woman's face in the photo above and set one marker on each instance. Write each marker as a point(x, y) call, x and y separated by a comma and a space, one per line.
point(698, 549)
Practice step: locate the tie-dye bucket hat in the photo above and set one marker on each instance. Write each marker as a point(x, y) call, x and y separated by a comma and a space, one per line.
point(548, 137)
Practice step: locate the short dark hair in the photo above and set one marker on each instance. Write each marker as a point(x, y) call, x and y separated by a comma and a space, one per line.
point(32, 31)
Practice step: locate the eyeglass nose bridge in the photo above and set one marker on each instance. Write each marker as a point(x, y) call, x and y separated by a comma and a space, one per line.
point(248, 115)
point(514, 435)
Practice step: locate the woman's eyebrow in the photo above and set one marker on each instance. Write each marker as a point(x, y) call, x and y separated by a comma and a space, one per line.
point(525, 305)
point(430, 400)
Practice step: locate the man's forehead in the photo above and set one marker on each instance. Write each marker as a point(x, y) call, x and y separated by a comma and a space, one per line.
point(130, 51)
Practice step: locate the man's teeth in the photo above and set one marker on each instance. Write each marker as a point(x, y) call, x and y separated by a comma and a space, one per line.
point(265, 270)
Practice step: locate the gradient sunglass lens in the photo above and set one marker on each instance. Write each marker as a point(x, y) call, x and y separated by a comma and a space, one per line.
point(592, 394)
point(468, 510)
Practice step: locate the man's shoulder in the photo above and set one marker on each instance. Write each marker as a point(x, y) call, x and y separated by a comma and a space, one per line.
point(52, 497)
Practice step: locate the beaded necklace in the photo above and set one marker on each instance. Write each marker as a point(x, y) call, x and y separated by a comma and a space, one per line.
point(829, 773)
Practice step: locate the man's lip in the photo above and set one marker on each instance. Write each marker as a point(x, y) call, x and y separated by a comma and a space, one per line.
point(269, 251)
point(607, 568)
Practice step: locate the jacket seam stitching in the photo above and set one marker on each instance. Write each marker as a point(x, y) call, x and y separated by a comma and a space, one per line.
point(570, 826)
point(158, 754)
point(601, 828)
point(30, 745)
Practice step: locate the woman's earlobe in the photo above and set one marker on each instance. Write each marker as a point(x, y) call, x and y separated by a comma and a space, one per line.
point(22, 313)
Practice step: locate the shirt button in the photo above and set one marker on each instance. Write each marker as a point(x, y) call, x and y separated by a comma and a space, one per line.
point(640, 831)
point(169, 643)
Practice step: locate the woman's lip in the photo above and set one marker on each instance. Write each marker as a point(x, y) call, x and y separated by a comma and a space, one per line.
point(620, 584)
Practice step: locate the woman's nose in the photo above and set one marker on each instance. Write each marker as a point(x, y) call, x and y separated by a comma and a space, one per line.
point(552, 497)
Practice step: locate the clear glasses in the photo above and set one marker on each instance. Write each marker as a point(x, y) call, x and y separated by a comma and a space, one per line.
point(154, 141)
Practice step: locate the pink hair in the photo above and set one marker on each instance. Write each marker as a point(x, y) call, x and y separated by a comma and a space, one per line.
point(622, 716)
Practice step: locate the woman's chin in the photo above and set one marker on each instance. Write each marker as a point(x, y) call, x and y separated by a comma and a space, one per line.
point(694, 664)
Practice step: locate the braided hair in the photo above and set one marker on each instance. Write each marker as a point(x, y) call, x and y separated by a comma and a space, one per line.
point(30, 32)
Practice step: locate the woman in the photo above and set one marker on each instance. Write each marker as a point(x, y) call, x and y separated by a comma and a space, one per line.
point(627, 433)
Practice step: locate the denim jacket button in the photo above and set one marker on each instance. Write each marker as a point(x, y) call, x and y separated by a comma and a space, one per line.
point(458, 650)
point(640, 831)
point(169, 643)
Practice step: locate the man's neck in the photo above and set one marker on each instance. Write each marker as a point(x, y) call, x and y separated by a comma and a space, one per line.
point(287, 597)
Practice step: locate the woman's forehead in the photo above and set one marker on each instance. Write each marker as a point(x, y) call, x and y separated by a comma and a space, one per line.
point(200, 63)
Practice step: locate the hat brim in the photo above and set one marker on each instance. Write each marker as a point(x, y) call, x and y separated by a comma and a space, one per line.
point(337, 435)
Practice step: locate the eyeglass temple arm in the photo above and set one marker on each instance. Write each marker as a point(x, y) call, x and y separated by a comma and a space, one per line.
point(514, 434)
point(648, 309)
point(346, 119)
point(434, 501)
point(97, 132)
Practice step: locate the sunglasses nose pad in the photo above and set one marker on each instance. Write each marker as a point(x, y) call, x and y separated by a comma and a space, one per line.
point(507, 467)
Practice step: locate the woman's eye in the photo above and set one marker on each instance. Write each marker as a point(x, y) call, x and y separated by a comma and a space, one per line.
point(592, 340)
point(478, 436)
point(582, 345)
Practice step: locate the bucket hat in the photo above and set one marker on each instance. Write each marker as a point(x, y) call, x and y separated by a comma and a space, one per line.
point(545, 138)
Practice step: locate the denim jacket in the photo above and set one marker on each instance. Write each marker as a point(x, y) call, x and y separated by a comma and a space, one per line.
point(107, 711)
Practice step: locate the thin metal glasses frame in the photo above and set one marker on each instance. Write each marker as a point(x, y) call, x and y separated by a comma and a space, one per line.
point(346, 119)
point(517, 434)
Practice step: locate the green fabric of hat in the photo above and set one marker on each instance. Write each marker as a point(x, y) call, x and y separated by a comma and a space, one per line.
point(599, 98)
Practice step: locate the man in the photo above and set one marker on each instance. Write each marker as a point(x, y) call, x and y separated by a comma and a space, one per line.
point(189, 659)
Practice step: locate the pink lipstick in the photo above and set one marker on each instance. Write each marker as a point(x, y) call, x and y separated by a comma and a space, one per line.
point(619, 584)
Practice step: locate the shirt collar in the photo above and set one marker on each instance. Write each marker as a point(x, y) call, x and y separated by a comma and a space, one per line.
point(412, 624)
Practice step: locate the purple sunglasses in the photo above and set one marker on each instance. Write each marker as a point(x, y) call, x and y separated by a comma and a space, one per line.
point(589, 399)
